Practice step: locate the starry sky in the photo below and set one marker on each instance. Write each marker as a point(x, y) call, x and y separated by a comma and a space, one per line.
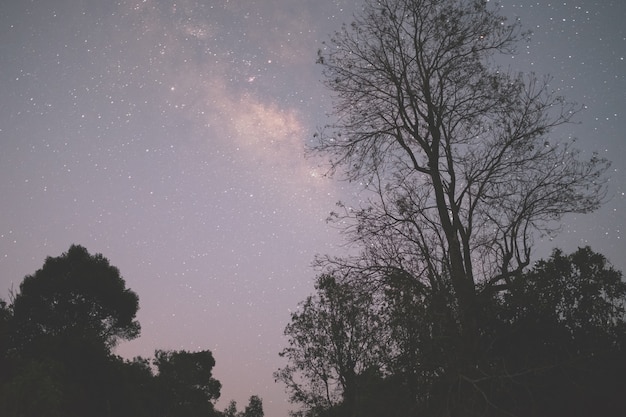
point(169, 135)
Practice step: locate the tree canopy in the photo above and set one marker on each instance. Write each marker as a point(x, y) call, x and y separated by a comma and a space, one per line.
point(56, 350)
point(253, 409)
point(560, 333)
point(75, 295)
point(186, 383)
point(332, 339)
point(555, 344)
point(462, 170)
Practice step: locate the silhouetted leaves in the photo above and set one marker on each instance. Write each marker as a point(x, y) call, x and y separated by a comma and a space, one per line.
point(186, 384)
point(552, 344)
point(56, 339)
point(333, 337)
point(76, 297)
point(253, 409)
point(558, 338)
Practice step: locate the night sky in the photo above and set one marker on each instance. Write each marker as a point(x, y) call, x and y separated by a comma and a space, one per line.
point(170, 135)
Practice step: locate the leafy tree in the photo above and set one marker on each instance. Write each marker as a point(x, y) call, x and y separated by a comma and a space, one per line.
point(457, 157)
point(231, 410)
point(254, 407)
point(76, 298)
point(552, 344)
point(186, 383)
point(333, 337)
point(422, 335)
point(61, 327)
point(56, 340)
point(560, 333)
point(579, 292)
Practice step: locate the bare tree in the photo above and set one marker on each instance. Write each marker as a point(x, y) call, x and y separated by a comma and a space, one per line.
point(457, 152)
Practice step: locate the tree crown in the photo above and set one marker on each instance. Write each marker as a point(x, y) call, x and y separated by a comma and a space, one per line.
point(78, 294)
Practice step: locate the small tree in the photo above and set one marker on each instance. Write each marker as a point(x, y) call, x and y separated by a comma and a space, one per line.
point(231, 410)
point(333, 338)
point(254, 407)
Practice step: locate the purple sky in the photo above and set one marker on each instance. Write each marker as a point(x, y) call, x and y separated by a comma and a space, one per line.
point(169, 136)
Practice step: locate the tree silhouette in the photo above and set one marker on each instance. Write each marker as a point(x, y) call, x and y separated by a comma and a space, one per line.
point(254, 407)
point(74, 298)
point(456, 157)
point(61, 327)
point(231, 410)
point(186, 383)
point(561, 335)
point(332, 339)
point(553, 344)
point(56, 359)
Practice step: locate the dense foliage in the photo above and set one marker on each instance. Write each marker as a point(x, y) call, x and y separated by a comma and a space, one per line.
point(552, 345)
point(56, 359)
point(75, 293)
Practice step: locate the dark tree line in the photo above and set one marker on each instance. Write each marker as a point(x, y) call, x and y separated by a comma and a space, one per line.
point(56, 359)
point(555, 345)
point(461, 171)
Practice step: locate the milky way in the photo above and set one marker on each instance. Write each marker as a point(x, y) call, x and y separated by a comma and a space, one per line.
point(170, 136)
